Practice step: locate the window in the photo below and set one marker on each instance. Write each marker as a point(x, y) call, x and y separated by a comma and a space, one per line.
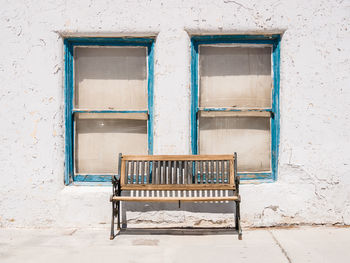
point(235, 101)
point(109, 104)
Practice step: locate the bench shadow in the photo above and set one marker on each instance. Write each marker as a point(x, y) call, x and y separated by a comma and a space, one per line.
point(212, 207)
point(189, 231)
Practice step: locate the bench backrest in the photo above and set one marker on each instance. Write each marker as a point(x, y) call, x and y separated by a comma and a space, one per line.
point(177, 172)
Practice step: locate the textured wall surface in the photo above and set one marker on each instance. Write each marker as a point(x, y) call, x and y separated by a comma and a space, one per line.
point(313, 183)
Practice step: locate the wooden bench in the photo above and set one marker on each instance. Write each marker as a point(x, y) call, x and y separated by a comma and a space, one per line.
point(175, 173)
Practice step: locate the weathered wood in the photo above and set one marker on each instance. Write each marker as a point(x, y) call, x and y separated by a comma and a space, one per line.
point(190, 172)
point(142, 172)
point(228, 171)
point(222, 172)
point(137, 172)
point(232, 172)
point(154, 172)
point(123, 174)
point(162, 172)
point(155, 175)
point(206, 172)
point(132, 172)
point(170, 172)
point(174, 199)
point(196, 168)
point(159, 168)
point(147, 172)
point(166, 172)
point(175, 173)
point(178, 157)
point(178, 187)
point(178, 172)
point(201, 172)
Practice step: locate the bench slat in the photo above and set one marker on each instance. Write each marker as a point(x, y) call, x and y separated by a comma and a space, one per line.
point(232, 172)
point(148, 172)
point(178, 187)
point(222, 175)
point(174, 199)
point(142, 172)
point(123, 172)
point(180, 181)
point(206, 178)
point(177, 157)
point(153, 175)
point(170, 172)
point(157, 173)
point(132, 172)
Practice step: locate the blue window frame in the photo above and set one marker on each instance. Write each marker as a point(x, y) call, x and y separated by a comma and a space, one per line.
point(69, 45)
point(241, 40)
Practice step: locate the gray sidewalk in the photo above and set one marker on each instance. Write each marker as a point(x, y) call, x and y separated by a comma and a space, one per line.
point(304, 244)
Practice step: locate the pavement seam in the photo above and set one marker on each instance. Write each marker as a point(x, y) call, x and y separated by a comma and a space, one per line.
point(280, 246)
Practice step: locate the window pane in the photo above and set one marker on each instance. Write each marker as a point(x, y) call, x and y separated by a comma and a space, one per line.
point(248, 136)
point(110, 78)
point(100, 140)
point(235, 77)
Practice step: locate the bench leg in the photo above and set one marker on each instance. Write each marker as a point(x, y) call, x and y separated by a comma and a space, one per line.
point(238, 220)
point(118, 219)
point(112, 222)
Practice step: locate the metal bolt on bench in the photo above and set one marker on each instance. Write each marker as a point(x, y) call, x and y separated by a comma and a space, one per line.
point(175, 172)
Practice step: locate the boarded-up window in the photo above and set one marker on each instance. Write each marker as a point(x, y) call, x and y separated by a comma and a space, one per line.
point(111, 101)
point(235, 87)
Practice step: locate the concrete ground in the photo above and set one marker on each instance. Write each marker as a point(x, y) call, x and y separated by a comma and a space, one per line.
point(304, 244)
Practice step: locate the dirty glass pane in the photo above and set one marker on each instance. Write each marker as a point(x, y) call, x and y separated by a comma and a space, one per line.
point(99, 140)
point(233, 76)
point(110, 78)
point(250, 137)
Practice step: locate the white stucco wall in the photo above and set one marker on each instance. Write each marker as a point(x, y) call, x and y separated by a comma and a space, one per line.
point(313, 183)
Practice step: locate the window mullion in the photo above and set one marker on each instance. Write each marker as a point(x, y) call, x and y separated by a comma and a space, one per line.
point(248, 112)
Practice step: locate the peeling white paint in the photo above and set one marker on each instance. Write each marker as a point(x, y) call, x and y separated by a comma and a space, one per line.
point(313, 183)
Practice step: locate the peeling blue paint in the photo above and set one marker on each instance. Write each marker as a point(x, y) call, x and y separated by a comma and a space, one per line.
point(266, 176)
point(230, 109)
point(110, 41)
point(92, 178)
point(258, 39)
point(273, 40)
point(69, 45)
point(275, 121)
point(68, 93)
point(110, 111)
point(150, 49)
point(194, 95)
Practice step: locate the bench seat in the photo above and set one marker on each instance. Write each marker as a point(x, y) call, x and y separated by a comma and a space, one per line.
point(174, 199)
